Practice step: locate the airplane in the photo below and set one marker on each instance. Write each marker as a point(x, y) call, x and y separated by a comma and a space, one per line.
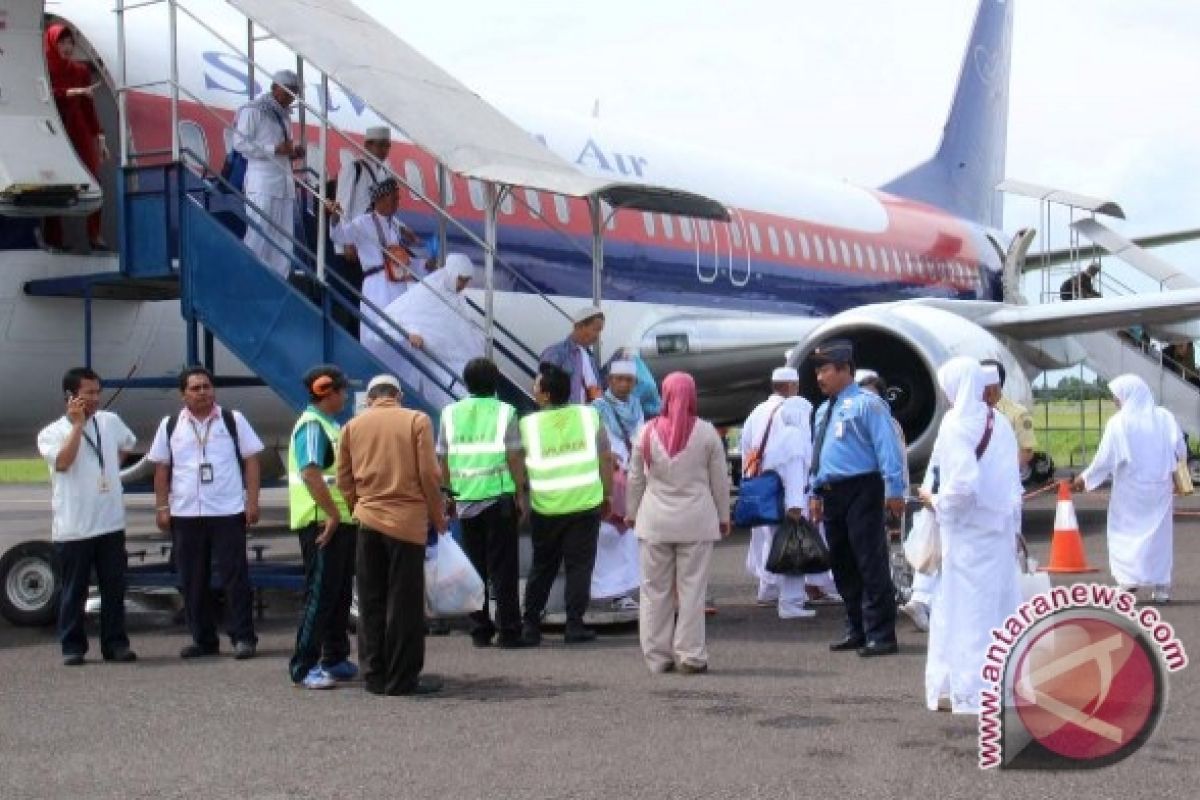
point(913, 271)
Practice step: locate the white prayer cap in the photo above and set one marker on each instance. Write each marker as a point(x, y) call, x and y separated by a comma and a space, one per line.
point(286, 78)
point(991, 375)
point(865, 375)
point(586, 313)
point(383, 380)
point(459, 266)
point(378, 133)
point(627, 368)
point(785, 375)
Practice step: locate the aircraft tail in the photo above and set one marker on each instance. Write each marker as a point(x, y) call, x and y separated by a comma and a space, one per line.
point(963, 173)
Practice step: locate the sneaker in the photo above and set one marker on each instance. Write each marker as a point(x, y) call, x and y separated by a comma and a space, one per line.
point(318, 678)
point(790, 611)
point(688, 668)
point(244, 650)
point(1161, 594)
point(918, 613)
point(345, 670)
point(623, 604)
point(73, 660)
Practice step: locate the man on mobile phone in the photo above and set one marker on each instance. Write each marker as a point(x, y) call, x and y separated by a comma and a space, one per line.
point(83, 449)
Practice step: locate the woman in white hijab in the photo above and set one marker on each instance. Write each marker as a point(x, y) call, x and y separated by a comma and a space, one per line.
point(1139, 450)
point(439, 323)
point(789, 454)
point(977, 500)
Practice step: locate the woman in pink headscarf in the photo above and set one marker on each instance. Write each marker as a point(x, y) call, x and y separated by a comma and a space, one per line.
point(678, 502)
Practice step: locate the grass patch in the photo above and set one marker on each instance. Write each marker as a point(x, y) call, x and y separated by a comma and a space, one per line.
point(1070, 430)
point(23, 470)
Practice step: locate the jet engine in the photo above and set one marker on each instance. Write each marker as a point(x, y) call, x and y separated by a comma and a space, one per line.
point(906, 343)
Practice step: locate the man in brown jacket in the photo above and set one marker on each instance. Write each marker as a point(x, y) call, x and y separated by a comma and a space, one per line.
point(389, 475)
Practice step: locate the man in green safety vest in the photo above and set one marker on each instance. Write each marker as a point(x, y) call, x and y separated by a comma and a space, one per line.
point(479, 450)
point(319, 515)
point(567, 459)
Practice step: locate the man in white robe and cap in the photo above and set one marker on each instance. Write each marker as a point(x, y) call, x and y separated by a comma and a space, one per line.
point(785, 383)
point(617, 572)
point(1140, 447)
point(263, 134)
point(977, 500)
point(440, 327)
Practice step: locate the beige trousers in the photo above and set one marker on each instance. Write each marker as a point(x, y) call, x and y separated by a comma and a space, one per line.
point(667, 570)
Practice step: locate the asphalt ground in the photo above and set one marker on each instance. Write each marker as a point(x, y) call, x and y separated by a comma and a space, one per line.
point(777, 716)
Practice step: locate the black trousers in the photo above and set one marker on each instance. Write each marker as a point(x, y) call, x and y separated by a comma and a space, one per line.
point(197, 541)
point(490, 541)
point(76, 560)
point(568, 540)
point(328, 590)
point(858, 551)
point(391, 612)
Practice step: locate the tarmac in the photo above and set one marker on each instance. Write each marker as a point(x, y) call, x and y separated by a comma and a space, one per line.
point(778, 715)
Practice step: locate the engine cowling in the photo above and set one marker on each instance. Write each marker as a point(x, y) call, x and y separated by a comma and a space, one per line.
point(906, 343)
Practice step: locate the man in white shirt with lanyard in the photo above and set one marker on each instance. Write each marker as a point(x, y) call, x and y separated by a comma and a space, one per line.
point(205, 499)
point(381, 240)
point(83, 450)
point(264, 136)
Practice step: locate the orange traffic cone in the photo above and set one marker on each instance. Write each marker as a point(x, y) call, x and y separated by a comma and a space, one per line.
point(1066, 545)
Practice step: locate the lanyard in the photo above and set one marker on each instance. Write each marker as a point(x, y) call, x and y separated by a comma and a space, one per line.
point(201, 441)
point(383, 245)
point(98, 445)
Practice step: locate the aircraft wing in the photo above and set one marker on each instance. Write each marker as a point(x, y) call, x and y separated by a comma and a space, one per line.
point(1077, 316)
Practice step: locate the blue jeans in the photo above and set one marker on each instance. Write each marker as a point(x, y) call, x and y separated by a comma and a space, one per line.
point(105, 554)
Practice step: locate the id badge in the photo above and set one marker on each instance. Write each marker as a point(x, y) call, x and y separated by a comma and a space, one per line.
point(206, 473)
point(839, 430)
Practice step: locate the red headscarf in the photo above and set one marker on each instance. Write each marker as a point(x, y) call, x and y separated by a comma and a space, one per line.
point(65, 73)
point(673, 427)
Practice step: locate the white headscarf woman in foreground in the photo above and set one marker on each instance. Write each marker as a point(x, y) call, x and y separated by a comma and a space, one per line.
point(977, 500)
point(439, 323)
point(1139, 450)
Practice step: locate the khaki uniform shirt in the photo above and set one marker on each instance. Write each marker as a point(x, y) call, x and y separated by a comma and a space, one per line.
point(1021, 421)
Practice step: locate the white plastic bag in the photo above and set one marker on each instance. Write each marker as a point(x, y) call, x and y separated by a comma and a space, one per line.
point(1033, 582)
point(452, 586)
point(923, 547)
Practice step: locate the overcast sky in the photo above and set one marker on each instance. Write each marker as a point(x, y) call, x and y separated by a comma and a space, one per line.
point(1103, 91)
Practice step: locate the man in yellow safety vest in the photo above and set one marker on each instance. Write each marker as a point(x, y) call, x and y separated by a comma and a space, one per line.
point(567, 458)
point(479, 450)
point(318, 513)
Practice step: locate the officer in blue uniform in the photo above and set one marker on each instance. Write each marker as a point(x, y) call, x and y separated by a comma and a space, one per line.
point(856, 463)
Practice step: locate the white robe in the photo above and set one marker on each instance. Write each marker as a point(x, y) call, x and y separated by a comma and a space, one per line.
point(361, 231)
point(617, 570)
point(268, 184)
point(976, 504)
point(1139, 449)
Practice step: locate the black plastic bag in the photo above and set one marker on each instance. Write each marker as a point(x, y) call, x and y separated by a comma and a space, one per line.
point(797, 549)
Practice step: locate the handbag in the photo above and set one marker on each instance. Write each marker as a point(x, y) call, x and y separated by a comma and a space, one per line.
point(797, 549)
point(760, 497)
point(1181, 477)
point(923, 547)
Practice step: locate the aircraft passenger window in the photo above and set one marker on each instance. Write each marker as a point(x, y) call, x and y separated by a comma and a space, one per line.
point(685, 228)
point(413, 177)
point(755, 239)
point(507, 204)
point(788, 244)
point(735, 231)
point(896, 261)
point(648, 223)
point(448, 198)
point(193, 140)
point(858, 257)
point(534, 201)
point(845, 252)
point(668, 226)
point(831, 249)
point(908, 262)
point(804, 246)
point(871, 259)
point(475, 190)
point(773, 240)
point(562, 209)
point(705, 231)
point(606, 214)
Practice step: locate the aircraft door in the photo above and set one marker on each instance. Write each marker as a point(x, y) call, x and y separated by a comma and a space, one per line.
point(704, 233)
point(738, 276)
point(40, 174)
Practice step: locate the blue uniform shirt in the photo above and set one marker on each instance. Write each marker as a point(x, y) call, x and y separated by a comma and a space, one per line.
point(861, 440)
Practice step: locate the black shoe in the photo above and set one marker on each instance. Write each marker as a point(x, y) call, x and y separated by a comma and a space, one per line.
point(871, 649)
point(511, 642)
point(194, 650)
point(244, 650)
point(73, 660)
point(846, 643)
point(579, 635)
point(437, 627)
point(482, 640)
point(531, 635)
point(122, 655)
point(426, 684)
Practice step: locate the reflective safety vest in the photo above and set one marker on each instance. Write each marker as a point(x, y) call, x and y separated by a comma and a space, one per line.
point(562, 460)
point(475, 451)
point(302, 507)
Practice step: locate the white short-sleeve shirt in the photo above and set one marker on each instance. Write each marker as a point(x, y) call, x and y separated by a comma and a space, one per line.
point(81, 510)
point(195, 442)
